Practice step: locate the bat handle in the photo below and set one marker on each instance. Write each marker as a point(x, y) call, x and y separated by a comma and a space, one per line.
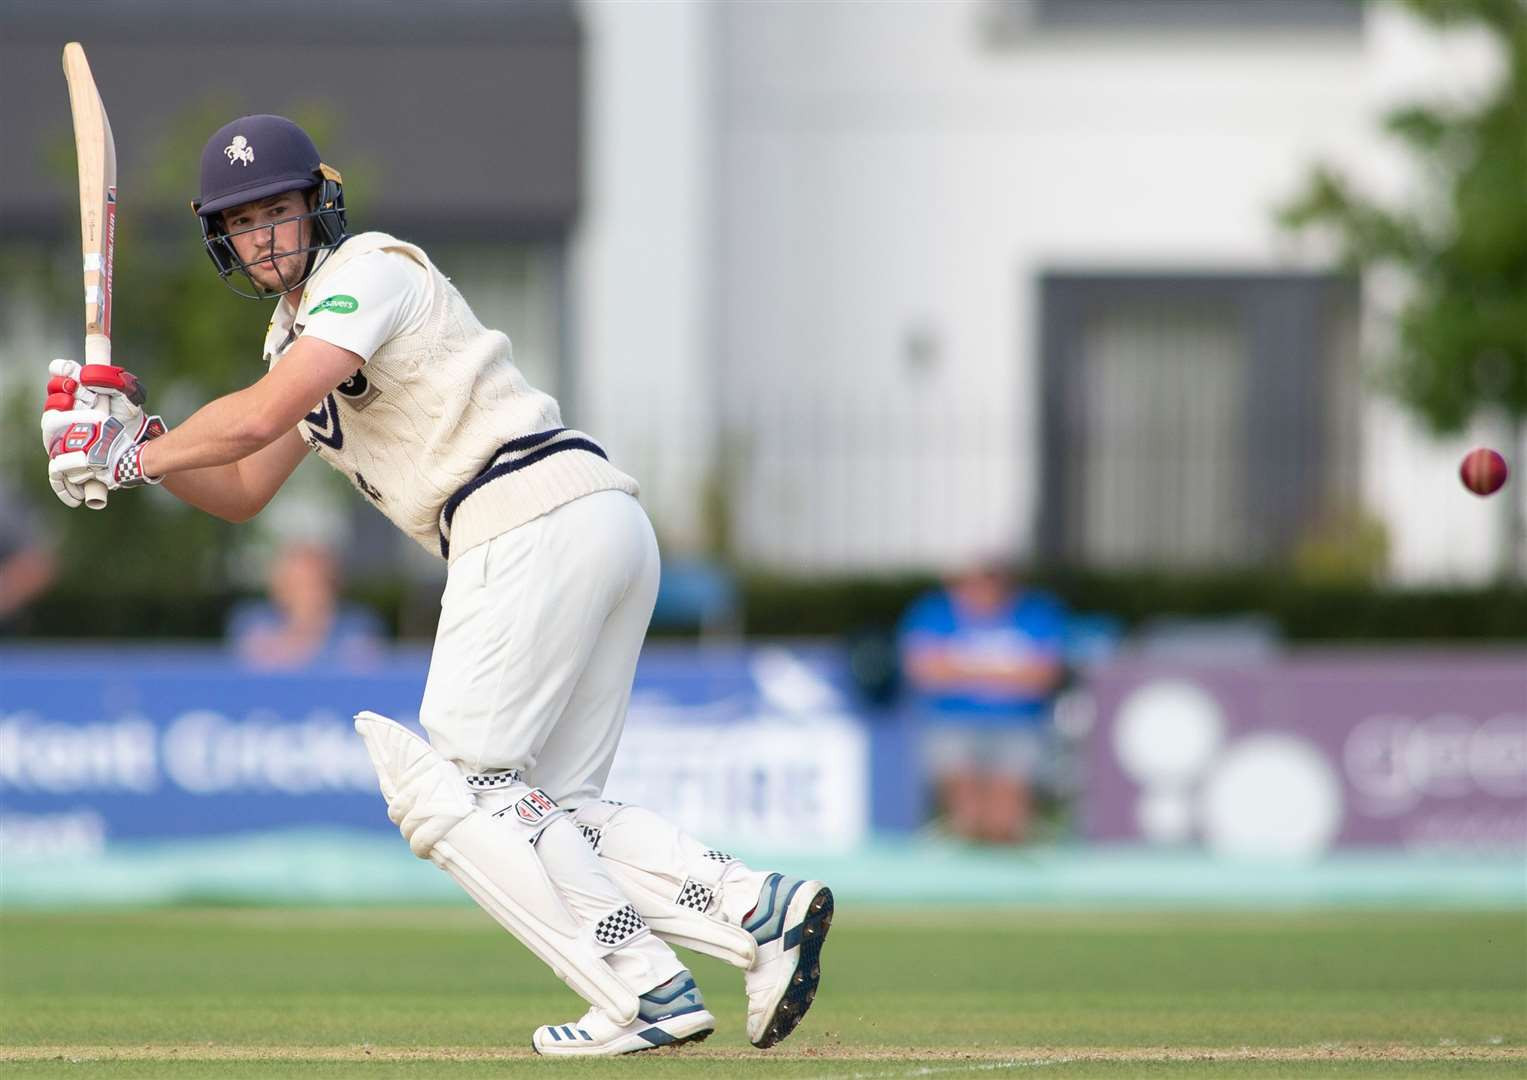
point(97, 351)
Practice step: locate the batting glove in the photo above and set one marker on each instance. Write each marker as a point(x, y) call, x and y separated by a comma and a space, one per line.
point(103, 386)
point(98, 446)
point(93, 426)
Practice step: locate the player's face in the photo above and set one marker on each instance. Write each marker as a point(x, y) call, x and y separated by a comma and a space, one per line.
point(269, 236)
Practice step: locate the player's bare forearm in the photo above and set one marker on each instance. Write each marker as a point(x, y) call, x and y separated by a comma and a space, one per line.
point(240, 424)
point(221, 432)
point(240, 490)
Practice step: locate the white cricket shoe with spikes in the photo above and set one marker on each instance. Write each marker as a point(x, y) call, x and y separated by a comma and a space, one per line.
point(789, 922)
point(671, 1013)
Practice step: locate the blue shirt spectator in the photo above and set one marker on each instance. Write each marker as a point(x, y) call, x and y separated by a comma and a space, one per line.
point(27, 564)
point(982, 659)
point(303, 625)
point(978, 652)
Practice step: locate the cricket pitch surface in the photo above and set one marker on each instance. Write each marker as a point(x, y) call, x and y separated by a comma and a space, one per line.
point(427, 992)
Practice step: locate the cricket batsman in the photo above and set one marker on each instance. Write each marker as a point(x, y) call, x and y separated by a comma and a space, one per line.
point(376, 363)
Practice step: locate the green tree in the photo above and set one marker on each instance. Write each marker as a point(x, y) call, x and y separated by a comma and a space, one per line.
point(1461, 341)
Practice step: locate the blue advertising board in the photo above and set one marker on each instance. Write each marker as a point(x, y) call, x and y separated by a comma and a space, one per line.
point(755, 746)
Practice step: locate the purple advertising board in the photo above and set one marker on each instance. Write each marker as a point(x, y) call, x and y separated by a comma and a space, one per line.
point(1293, 756)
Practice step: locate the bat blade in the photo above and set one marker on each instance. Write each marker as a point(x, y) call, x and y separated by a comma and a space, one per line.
point(96, 153)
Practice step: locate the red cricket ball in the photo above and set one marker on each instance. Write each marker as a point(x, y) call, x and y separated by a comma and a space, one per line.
point(1483, 471)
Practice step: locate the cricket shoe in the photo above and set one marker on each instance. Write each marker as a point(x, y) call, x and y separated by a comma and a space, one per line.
point(789, 922)
point(670, 1013)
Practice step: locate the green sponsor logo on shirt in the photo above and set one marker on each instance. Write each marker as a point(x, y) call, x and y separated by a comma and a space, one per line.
point(340, 305)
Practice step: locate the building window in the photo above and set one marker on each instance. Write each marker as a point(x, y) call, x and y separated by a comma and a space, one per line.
point(1011, 21)
point(1342, 15)
point(1194, 421)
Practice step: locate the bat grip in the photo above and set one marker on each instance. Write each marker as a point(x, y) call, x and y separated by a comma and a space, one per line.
point(97, 351)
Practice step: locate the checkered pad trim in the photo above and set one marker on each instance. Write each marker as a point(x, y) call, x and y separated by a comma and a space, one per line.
point(695, 895)
point(618, 926)
point(591, 834)
point(493, 781)
point(718, 856)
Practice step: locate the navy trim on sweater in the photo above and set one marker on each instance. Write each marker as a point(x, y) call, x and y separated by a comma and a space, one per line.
point(492, 472)
point(524, 442)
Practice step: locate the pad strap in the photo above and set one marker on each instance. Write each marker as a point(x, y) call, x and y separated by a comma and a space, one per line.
point(494, 781)
point(674, 882)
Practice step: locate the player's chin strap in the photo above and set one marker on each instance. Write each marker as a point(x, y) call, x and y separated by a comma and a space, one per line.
point(492, 857)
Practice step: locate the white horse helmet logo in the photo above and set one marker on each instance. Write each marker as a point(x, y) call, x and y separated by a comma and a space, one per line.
point(239, 150)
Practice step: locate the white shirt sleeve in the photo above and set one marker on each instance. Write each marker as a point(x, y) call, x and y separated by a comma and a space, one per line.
point(370, 300)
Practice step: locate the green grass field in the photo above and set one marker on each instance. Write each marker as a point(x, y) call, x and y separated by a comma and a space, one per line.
point(238, 993)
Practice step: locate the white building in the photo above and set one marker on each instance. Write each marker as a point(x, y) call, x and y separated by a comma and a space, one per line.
point(912, 281)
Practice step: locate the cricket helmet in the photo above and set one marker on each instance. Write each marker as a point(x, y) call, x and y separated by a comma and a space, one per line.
point(254, 158)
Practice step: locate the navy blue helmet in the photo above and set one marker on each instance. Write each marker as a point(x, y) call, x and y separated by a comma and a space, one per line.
point(254, 158)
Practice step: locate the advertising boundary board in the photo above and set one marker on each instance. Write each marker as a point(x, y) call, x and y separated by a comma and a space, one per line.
point(758, 746)
point(1293, 757)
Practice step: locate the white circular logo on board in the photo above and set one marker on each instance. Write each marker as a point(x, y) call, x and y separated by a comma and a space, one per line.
point(1167, 733)
point(1165, 815)
point(1271, 796)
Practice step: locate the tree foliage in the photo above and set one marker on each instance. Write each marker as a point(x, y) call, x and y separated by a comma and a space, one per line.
point(1461, 345)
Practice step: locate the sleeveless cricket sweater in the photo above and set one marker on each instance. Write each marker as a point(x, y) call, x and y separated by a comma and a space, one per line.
point(439, 429)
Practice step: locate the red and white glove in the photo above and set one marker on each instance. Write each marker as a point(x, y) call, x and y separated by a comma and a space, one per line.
point(93, 427)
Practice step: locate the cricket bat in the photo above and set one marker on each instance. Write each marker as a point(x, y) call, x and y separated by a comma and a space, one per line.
point(97, 157)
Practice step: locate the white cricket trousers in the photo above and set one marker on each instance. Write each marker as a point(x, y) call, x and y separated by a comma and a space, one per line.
point(540, 629)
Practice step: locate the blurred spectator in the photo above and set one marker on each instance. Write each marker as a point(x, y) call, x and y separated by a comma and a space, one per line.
point(303, 624)
point(27, 566)
point(983, 658)
point(698, 595)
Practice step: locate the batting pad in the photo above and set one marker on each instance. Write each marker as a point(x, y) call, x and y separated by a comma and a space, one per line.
point(492, 858)
point(677, 884)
